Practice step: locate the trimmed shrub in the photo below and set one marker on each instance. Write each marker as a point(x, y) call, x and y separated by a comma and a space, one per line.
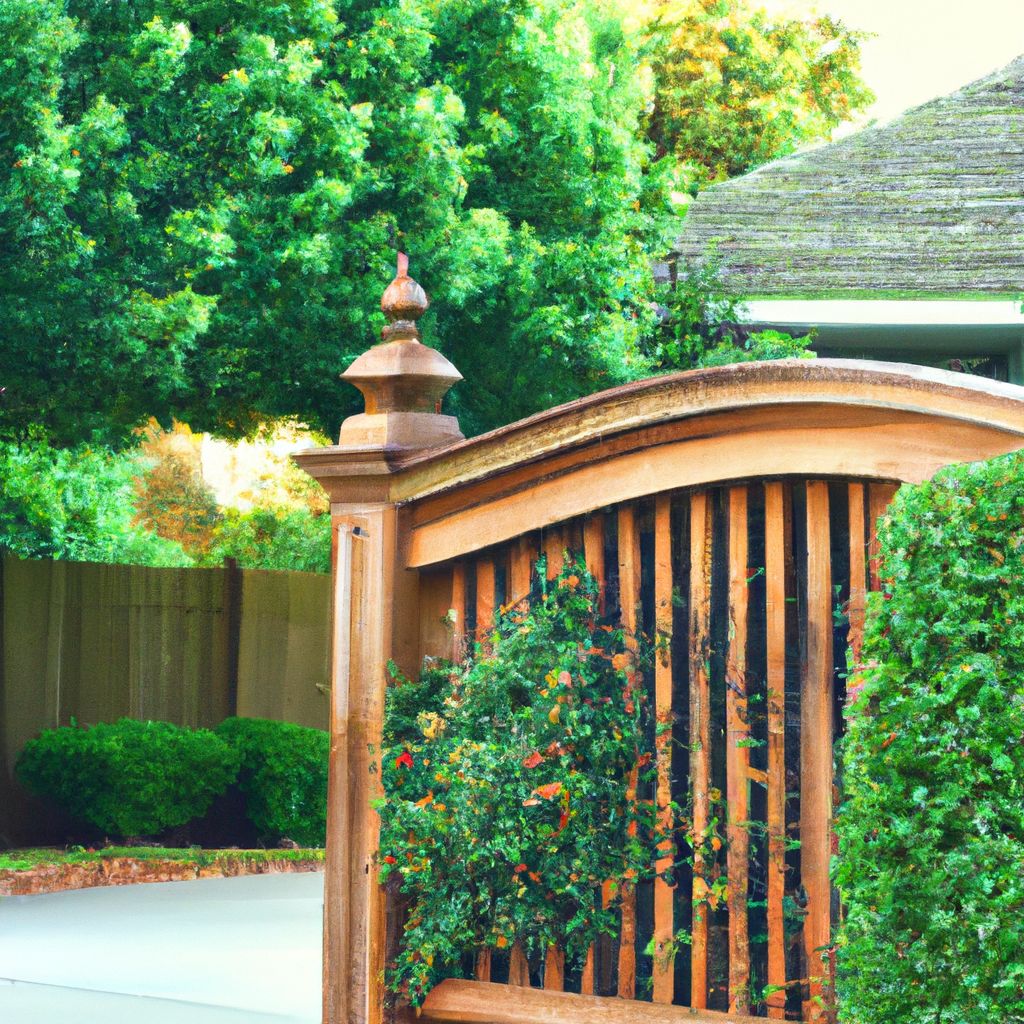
point(129, 778)
point(283, 777)
point(931, 829)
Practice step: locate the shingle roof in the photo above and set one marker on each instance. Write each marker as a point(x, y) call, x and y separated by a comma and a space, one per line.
point(931, 204)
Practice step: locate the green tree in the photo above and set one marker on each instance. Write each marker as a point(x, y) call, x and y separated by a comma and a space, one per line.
point(75, 504)
point(200, 201)
point(736, 87)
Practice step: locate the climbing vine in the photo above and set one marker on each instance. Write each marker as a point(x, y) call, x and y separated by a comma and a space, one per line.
point(510, 785)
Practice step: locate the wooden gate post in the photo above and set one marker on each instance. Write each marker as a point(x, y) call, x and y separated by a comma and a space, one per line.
point(403, 383)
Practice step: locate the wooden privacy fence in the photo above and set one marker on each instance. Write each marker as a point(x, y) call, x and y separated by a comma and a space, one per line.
point(192, 646)
point(729, 511)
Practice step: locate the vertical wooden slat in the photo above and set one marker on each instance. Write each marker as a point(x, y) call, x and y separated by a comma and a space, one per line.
point(858, 576)
point(593, 553)
point(816, 748)
point(482, 970)
point(518, 967)
point(629, 602)
point(520, 569)
point(775, 630)
point(700, 734)
point(484, 598)
point(554, 969)
point(458, 610)
point(879, 496)
point(738, 757)
point(554, 548)
point(587, 977)
point(664, 926)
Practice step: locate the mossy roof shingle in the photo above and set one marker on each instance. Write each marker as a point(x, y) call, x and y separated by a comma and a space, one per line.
point(931, 204)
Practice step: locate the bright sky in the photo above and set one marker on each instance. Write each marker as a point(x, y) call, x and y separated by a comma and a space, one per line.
point(923, 48)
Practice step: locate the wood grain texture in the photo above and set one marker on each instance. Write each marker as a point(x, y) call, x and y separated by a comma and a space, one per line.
point(482, 967)
point(554, 969)
point(879, 497)
point(807, 440)
point(700, 734)
point(354, 902)
point(518, 967)
point(737, 757)
point(858, 573)
point(629, 602)
point(522, 555)
point(816, 732)
point(458, 609)
point(776, 539)
point(593, 554)
point(473, 1002)
point(663, 970)
point(554, 550)
point(484, 598)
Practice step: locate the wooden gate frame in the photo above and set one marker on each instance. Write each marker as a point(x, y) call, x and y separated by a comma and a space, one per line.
point(407, 493)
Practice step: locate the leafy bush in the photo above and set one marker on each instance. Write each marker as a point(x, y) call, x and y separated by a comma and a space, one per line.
point(932, 826)
point(129, 778)
point(283, 777)
point(507, 788)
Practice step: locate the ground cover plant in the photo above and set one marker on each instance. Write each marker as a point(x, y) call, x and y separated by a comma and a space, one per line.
point(931, 828)
point(510, 793)
point(29, 859)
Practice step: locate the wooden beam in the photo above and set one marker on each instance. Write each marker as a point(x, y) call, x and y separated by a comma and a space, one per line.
point(738, 757)
point(776, 539)
point(816, 733)
point(554, 969)
point(858, 574)
point(700, 734)
point(629, 605)
point(593, 554)
point(736, 447)
point(458, 609)
point(663, 979)
point(484, 598)
point(554, 548)
point(474, 1002)
point(354, 902)
point(879, 497)
point(522, 554)
point(518, 967)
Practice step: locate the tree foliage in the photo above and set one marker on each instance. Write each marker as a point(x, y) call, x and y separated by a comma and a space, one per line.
point(932, 825)
point(737, 87)
point(203, 198)
point(75, 504)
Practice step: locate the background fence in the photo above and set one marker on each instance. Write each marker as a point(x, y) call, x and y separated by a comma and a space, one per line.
point(191, 646)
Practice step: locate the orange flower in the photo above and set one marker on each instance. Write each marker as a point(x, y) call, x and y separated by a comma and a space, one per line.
point(550, 791)
point(620, 662)
point(533, 760)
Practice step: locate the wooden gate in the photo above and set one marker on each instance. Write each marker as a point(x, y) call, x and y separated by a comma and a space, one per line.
point(730, 511)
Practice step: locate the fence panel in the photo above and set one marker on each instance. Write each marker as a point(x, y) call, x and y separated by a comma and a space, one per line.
point(94, 643)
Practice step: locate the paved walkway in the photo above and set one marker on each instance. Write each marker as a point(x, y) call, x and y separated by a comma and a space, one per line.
point(211, 951)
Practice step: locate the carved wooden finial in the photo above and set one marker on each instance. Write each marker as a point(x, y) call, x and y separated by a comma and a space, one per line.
point(403, 303)
point(402, 380)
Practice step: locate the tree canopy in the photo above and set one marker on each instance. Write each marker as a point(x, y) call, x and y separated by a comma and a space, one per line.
point(737, 87)
point(200, 201)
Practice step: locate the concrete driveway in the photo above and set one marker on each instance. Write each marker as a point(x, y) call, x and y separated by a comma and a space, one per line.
point(210, 951)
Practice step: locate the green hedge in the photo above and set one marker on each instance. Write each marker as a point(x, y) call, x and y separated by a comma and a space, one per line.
point(127, 778)
point(283, 776)
point(932, 826)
